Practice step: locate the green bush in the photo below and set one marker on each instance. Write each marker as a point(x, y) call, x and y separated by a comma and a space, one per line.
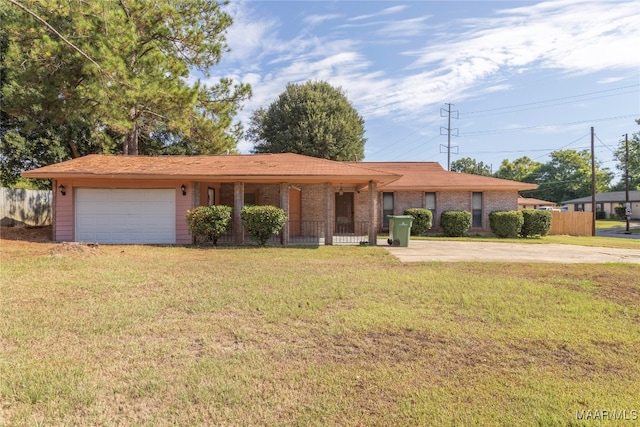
point(455, 223)
point(209, 221)
point(506, 223)
point(536, 222)
point(422, 220)
point(601, 215)
point(263, 221)
point(620, 212)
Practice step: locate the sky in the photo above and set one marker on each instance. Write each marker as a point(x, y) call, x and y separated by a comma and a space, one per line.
point(524, 78)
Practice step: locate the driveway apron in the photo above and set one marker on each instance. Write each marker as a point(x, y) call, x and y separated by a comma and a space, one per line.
point(431, 250)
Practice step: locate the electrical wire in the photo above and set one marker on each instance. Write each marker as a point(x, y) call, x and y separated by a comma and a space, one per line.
point(554, 99)
point(524, 128)
point(549, 105)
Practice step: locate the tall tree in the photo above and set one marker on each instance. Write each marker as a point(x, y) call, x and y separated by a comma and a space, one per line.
point(568, 176)
point(114, 76)
point(520, 169)
point(634, 161)
point(313, 118)
point(469, 165)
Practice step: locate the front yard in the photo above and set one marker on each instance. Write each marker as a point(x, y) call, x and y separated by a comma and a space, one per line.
point(152, 336)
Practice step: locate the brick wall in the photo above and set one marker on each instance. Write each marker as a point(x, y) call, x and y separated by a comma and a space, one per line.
point(454, 200)
point(405, 200)
point(226, 194)
point(312, 202)
point(268, 194)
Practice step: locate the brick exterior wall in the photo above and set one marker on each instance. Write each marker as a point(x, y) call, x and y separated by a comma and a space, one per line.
point(313, 202)
point(268, 195)
point(453, 200)
point(226, 194)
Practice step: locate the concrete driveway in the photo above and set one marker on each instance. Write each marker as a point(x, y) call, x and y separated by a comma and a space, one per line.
point(446, 250)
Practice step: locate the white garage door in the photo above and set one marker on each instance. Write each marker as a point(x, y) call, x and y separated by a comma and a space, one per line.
point(125, 215)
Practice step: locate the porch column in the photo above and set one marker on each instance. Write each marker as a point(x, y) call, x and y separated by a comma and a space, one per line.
point(238, 203)
point(329, 216)
point(284, 204)
point(373, 209)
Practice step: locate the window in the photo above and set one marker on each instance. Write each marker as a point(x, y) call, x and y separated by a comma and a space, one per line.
point(476, 210)
point(387, 208)
point(430, 203)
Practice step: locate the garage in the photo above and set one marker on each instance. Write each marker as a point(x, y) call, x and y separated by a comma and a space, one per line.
point(130, 216)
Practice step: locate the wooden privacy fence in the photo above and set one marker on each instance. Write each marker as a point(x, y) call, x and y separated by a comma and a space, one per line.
point(25, 207)
point(571, 223)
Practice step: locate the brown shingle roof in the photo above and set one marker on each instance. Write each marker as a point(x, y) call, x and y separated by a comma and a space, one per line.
point(391, 176)
point(430, 176)
point(260, 167)
point(532, 201)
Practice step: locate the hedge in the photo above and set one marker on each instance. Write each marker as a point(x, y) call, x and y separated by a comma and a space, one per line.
point(536, 222)
point(506, 223)
point(263, 221)
point(455, 223)
point(209, 221)
point(422, 220)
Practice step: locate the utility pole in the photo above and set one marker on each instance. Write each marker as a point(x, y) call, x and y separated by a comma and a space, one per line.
point(448, 129)
point(593, 184)
point(627, 205)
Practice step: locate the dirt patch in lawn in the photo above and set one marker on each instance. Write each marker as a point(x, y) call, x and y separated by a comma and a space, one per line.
point(26, 234)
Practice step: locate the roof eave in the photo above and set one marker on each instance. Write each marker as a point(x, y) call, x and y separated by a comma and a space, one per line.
point(344, 179)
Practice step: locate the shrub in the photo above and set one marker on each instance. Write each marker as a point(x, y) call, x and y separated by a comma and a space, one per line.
point(506, 223)
point(536, 223)
point(263, 221)
point(620, 212)
point(455, 223)
point(601, 215)
point(209, 221)
point(422, 220)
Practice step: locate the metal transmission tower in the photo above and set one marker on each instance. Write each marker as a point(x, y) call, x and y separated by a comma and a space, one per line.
point(448, 129)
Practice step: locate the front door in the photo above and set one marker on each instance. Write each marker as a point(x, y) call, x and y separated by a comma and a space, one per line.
point(294, 212)
point(344, 213)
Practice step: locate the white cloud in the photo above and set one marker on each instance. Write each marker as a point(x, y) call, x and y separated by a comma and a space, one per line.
point(577, 37)
point(319, 19)
point(404, 28)
point(383, 12)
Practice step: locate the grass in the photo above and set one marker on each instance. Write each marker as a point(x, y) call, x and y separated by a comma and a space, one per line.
point(591, 241)
point(610, 223)
point(154, 336)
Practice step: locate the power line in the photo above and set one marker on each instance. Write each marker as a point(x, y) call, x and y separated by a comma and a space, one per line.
point(520, 129)
point(549, 105)
point(414, 148)
point(554, 99)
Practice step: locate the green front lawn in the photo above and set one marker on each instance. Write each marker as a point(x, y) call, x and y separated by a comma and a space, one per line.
point(153, 336)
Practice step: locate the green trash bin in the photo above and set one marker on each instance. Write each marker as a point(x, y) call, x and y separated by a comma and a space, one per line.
point(399, 230)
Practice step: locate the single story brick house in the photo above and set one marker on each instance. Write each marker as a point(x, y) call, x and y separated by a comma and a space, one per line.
point(141, 199)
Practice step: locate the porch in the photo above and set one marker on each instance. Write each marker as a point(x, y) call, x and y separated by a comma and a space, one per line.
point(308, 233)
point(318, 213)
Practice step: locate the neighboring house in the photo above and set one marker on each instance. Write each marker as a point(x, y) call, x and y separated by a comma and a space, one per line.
point(607, 202)
point(139, 199)
point(531, 203)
